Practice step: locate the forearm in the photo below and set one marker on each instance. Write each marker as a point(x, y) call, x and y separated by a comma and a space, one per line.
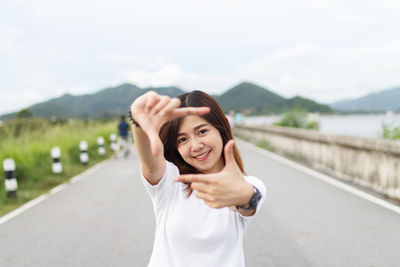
point(153, 167)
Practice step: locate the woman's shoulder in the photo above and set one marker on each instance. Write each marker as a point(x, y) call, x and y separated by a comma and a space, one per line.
point(171, 168)
point(170, 172)
point(166, 188)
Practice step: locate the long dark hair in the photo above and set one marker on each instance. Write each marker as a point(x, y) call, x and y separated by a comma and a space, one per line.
point(216, 117)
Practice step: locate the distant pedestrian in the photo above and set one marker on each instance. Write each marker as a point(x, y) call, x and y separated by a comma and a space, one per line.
point(192, 170)
point(231, 118)
point(123, 130)
point(238, 118)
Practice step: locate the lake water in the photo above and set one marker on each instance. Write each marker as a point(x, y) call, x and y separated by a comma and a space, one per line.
point(355, 125)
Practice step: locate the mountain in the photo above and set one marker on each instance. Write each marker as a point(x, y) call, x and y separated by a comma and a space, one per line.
point(381, 101)
point(307, 104)
point(249, 96)
point(258, 100)
point(114, 101)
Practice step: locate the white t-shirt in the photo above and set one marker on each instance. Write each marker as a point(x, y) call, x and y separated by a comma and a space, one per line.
point(189, 233)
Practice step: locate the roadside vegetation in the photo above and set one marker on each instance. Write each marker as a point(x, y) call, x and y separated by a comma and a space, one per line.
point(29, 142)
point(297, 118)
point(265, 145)
point(390, 131)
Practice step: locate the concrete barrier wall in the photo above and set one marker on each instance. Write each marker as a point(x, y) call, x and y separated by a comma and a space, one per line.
point(372, 163)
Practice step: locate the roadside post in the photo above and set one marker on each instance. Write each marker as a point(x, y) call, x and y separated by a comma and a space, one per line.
point(84, 156)
point(113, 140)
point(56, 155)
point(10, 180)
point(100, 143)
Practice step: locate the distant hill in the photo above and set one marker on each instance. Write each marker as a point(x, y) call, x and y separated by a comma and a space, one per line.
point(307, 104)
point(258, 100)
point(381, 101)
point(114, 101)
point(249, 96)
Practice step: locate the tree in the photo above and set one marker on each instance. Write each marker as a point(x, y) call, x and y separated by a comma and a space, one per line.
point(390, 131)
point(24, 113)
point(297, 118)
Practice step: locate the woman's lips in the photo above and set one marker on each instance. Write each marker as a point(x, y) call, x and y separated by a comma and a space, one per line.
point(203, 157)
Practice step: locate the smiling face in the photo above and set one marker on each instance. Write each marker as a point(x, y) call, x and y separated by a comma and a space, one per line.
point(200, 144)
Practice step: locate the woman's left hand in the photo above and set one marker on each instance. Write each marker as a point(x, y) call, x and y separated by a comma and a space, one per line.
point(226, 188)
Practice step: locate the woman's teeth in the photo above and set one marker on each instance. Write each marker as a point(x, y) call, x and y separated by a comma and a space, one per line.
point(203, 155)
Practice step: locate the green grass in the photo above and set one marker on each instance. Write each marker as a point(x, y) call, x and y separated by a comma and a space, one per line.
point(390, 131)
point(296, 157)
point(29, 143)
point(265, 145)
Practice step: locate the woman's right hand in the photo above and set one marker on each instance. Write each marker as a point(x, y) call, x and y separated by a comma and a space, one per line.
point(152, 110)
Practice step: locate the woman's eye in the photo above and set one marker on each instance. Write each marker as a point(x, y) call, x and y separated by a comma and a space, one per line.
point(181, 140)
point(203, 131)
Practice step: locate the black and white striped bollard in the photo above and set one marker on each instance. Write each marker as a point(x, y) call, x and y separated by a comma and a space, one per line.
point(100, 143)
point(55, 155)
point(113, 139)
point(84, 157)
point(10, 180)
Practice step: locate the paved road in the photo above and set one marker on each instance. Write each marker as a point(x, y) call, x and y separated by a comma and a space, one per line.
point(106, 219)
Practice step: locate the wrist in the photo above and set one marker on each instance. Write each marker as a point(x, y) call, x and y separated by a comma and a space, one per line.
point(252, 204)
point(246, 194)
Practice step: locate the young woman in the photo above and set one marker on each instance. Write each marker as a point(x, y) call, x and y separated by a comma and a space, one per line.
point(194, 175)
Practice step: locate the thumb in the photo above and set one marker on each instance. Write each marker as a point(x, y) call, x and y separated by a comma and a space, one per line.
point(155, 144)
point(229, 156)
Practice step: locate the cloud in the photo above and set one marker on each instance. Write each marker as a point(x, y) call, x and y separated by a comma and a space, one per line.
point(173, 74)
point(119, 58)
point(328, 73)
point(40, 89)
point(311, 70)
point(76, 89)
point(322, 49)
point(9, 37)
point(14, 101)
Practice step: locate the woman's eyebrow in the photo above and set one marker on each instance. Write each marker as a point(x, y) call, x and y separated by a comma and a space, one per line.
point(195, 128)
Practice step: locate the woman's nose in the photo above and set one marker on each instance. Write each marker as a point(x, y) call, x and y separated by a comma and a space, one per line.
point(197, 145)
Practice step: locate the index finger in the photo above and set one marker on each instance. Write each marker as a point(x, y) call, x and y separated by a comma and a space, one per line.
point(190, 178)
point(179, 112)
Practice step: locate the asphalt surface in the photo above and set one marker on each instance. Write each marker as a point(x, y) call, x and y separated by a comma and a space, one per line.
point(106, 219)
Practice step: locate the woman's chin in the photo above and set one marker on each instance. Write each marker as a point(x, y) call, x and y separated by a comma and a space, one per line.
point(202, 167)
point(207, 168)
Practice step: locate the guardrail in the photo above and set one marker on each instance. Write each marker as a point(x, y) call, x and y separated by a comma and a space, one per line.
point(371, 163)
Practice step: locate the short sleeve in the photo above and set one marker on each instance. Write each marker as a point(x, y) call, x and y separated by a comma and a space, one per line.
point(162, 192)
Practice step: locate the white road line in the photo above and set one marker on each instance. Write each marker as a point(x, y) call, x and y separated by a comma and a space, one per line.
point(88, 172)
point(23, 208)
point(53, 191)
point(57, 189)
point(322, 177)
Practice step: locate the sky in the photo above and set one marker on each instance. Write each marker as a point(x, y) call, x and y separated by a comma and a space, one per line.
point(326, 50)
